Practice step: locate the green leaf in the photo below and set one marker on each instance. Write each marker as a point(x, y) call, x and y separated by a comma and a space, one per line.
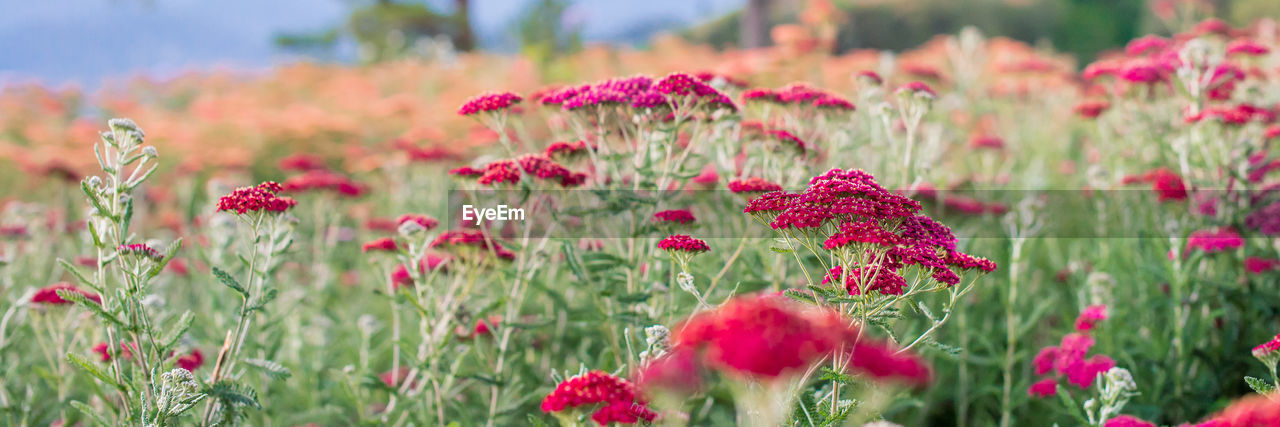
point(93, 306)
point(231, 282)
point(175, 333)
point(271, 368)
point(637, 297)
point(79, 277)
point(1259, 385)
point(89, 412)
point(780, 250)
point(92, 369)
point(231, 393)
point(535, 421)
point(572, 259)
point(266, 298)
point(168, 256)
point(829, 374)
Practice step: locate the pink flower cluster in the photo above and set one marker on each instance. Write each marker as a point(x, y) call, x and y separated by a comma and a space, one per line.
point(799, 94)
point(771, 336)
point(1167, 185)
point(753, 185)
point(489, 102)
point(471, 238)
point(1090, 317)
point(565, 149)
point(509, 171)
point(866, 217)
point(424, 221)
point(1215, 240)
point(301, 162)
point(49, 294)
point(1067, 359)
point(321, 180)
point(619, 397)
point(680, 216)
point(1267, 348)
point(253, 199)
point(683, 243)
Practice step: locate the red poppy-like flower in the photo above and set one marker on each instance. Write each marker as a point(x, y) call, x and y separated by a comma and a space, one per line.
point(258, 198)
point(683, 243)
point(301, 162)
point(681, 216)
point(1216, 240)
point(1090, 317)
point(1043, 388)
point(385, 244)
point(489, 102)
point(753, 185)
point(1091, 109)
point(1127, 421)
point(49, 294)
point(191, 361)
point(1256, 265)
point(917, 88)
point(102, 351)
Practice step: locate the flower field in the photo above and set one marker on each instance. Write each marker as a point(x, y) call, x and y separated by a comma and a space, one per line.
point(972, 232)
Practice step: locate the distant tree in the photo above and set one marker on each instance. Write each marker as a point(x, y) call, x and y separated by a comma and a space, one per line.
point(542, 32)
point(387, 29)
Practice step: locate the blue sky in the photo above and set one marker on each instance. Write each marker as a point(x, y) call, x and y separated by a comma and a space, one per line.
point(84, 41)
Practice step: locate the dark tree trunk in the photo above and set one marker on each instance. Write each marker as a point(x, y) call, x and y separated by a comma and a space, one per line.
point(465, 40)
point(755, 24)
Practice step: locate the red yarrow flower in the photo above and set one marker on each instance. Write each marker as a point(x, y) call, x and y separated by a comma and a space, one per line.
point(681, 216)
point(49, 294)
point(753, 185)
point(254, 199)
point(385, 244)
point(683, 243)
point(594, 388)
point(301, 162)
point(1043, 388)
point(1091, 109)
point(1127, 421)
point(917, 88)
point(424, 221)
point(1252, 411)
point(489, 102)
point(1256, 265)
point(1090, 317)
point(191, 361)
point(1215, 240)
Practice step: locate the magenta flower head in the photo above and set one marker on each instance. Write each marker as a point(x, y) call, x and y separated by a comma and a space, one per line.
point(1246, 47)
point(761, 95)
point(1268, 352)
point(917, 89)
point(673, 216)
point(48, 295)
point(753, 185)
point(683, 243)
point(870, 78)
point(254, 199)
point(488, 103)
